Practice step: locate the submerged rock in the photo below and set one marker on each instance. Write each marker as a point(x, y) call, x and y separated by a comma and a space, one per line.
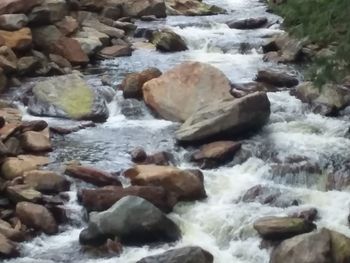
point(249, 23)
point(133, 221)
point(187, 185)
point(277, 79)
point(67, 97)
point(181, 91)
point(167, 40)
point(181, 255)
point(226, 118)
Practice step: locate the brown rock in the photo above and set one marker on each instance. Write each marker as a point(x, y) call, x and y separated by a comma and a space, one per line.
point(17, 6)
point(3, 81)
point(19, 193)
point(103, 198)
point(71, 50)
point(250, 23)
point(60, 61)
point(133, 82)
point(33, 141)
point(7, 248)
point(115, 51)
point(185, 184)
point(11, 115)
point(91, 175)
point(215, 153)
point(181, 91)
point(278, 79)
point(9, 232)
point(36, 217)
point(68, 25)
point(13, 167)
point(46, 181)
point(8, 59)
point(36, 126)
point(19, 40)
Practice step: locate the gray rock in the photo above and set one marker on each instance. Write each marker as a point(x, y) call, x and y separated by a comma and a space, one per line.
point(13, 21)
point(167, 40)
point(250, 23)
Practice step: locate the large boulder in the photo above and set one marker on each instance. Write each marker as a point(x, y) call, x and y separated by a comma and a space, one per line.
point(167, 40)
point(136, 8)
point(278, 228)
point(101, 199)
point(17, 6)
point(325, 246)
point(36, 217)
point(46, 181)
point(20, 40)
point(181, 91)
point(50, 11)
point(133, 82)
point(91, 175)
point(187, 185)
point(181, 255)
point(33, 141)
point(13, 21)
point(133, 221)
point(192, 8)
point(13, 167)
point(226, 118)
point(67, 97)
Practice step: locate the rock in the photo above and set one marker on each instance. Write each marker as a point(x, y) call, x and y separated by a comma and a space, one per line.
point(17, 6)
point(181, 91)
point(37, 126)
point(49, 12)
point(8, 60)
point(36, 217)
point(126, 26)
point(167, 40)
point(33, 141)
point(269, 195)
point(213, 154)
point(181, 255)
point(20, 40)
point(278, 228)
point(10, 233)
point(13, 21)
point(13, 167)
point(249, 23)
point(138, 155)
point(91, 175)
point(67, 97)
point(322, 247)
point(8, 248)
point(115, 51)
point(133, 82)
point(3, 81)
point(19, 193)
point(334, 97)
point(46, 181)
point(135, 8)
point(28, 65)
point(103, 198)
point(60, 61)
point(68, 25)
point(192, 8)
point(89, 45)
point(226, 118)
point(112, 12)
point(290, 50)
point(186, 184)
point(133, 220)
point(307, 214)
point(277, 79)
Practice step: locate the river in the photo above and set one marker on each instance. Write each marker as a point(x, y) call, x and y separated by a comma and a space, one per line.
point(221, 224)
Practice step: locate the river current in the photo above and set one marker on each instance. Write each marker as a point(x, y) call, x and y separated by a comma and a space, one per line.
point(221, 224)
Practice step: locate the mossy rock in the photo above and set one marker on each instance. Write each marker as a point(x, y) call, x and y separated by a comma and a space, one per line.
point(167, 40)
point(67, 97)
point(340, 247)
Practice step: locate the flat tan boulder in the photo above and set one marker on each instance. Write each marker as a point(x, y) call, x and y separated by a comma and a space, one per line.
point(181, 91)
point(188, 185)
point(33, 141)
point(13, 167)
point(46, 181)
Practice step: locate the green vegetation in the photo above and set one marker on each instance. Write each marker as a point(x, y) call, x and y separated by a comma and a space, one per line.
point(325, 23)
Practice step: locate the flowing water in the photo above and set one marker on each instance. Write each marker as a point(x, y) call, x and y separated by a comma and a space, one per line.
point(220, 224)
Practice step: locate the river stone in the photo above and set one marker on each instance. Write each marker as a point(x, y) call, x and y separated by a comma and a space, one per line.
point(192, 8)
point(167, 40)
point(181, 255)
point(17, 6)
point(28, 65)
point(22, 192)
point(187, 185)
point(181, 91)
point(133, 220)
point(36, 217)
point(278, 79)
point(8, 248)
point(133, 82)
point(91, 175)
point(115, 51)
point(67, 97)
point(13, 21)
point(136, 8)
point(9, 232)
point(46, 181)
point(50, 11)
point(33, 141)
point(8, 60)
point(249, 23)
point(13, 167)
point(101, 199)
point(3, 81)
point(277, 228)
point(20, 40)
point(226, 118)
